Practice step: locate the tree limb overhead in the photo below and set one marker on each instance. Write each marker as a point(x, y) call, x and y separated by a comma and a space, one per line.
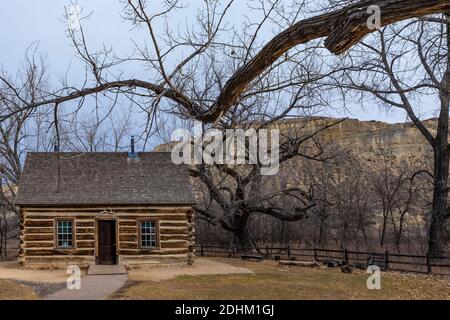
point(343, 28)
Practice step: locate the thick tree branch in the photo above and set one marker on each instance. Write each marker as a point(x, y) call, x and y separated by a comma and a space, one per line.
point(344, 28)
point(132, 83)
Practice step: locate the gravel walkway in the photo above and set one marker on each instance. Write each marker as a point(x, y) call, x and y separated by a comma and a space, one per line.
point(201, 266)
point(93, 287)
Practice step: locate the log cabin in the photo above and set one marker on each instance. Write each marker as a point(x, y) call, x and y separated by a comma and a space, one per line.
point(124, 208)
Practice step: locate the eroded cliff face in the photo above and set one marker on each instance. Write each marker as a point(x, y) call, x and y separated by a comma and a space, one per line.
point(372, 143)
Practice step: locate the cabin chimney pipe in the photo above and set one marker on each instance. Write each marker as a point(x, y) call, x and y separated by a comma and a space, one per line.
point(132, 154)
point(132, 144)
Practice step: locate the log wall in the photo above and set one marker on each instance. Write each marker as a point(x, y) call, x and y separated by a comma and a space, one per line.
point(38, 249)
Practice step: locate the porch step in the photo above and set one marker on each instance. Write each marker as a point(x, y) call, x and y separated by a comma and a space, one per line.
point(95, 269)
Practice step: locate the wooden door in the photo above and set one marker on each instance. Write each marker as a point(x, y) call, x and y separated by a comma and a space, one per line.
point(106, 242)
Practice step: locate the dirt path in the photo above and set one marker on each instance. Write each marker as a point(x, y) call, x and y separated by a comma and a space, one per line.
point(10, 270)
point(201, 266)
point(93, 287)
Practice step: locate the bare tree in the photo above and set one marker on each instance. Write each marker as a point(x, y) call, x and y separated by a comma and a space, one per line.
point(395, 192)
point(16, 133)
point(401, 67)
point(238, 193)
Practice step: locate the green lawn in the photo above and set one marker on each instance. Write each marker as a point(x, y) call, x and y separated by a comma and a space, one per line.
point(10, 290)
point(273, 282)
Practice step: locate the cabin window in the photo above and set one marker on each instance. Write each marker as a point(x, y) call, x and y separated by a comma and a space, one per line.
point(148, 234)
point(65, 233)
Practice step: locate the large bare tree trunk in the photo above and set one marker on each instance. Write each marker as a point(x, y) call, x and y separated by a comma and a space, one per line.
point(241, 235)
point(436, 245)
point(437, 233)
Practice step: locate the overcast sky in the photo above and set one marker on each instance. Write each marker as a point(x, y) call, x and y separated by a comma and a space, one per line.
point(23, 22)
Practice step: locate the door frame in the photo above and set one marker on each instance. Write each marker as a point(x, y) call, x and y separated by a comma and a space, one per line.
point(97, 238)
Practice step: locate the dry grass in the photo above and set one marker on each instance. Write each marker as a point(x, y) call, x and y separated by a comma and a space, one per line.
point(273, 282)
point(10, 290)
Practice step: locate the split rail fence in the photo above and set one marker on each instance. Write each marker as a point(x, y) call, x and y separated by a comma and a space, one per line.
point(360, 259)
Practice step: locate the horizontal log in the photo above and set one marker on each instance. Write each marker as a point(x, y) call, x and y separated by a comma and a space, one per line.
point(128, 237)
point(61, 252)
point(59, 259)
point(38, 223)
point(39, 230)
point(174, 244)
point(122, 216)
point(173, 230)
point(132, 230)
point(88, 224)
point(160, 216)
point(72, 215)
point(39, 244)
point(124, 219)
point(173, 224)
point(81, 220)
point(41, 217)
point(128, 245)
point(85, 230)
point(121, 209)
point(85, 236)
point(142, 258)
point(126, 223)
point(85, 244)
point(152, 252)
point(37, 237)
point(174, 237)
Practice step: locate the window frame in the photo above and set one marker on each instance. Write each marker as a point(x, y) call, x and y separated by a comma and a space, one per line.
point(157, 235)
point(72, 220)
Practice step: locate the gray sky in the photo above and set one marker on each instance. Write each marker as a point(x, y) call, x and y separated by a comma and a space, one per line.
point(23, 22)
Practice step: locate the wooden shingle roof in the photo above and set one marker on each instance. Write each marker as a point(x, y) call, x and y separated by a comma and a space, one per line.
point(60, 178)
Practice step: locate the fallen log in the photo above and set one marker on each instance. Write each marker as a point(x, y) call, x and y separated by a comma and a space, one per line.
point(252, 257)
point(290, 263)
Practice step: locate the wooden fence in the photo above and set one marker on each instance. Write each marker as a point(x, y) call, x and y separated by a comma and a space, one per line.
point(360, 259)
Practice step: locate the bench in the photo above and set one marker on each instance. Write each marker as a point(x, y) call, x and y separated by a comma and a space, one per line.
point(377, 261)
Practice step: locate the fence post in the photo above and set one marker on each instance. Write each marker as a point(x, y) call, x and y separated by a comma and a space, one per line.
point(428, 263)
point(346, 256)
point(201, 250)
point(315, 254)
point(289, 252)
point(386, 259)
